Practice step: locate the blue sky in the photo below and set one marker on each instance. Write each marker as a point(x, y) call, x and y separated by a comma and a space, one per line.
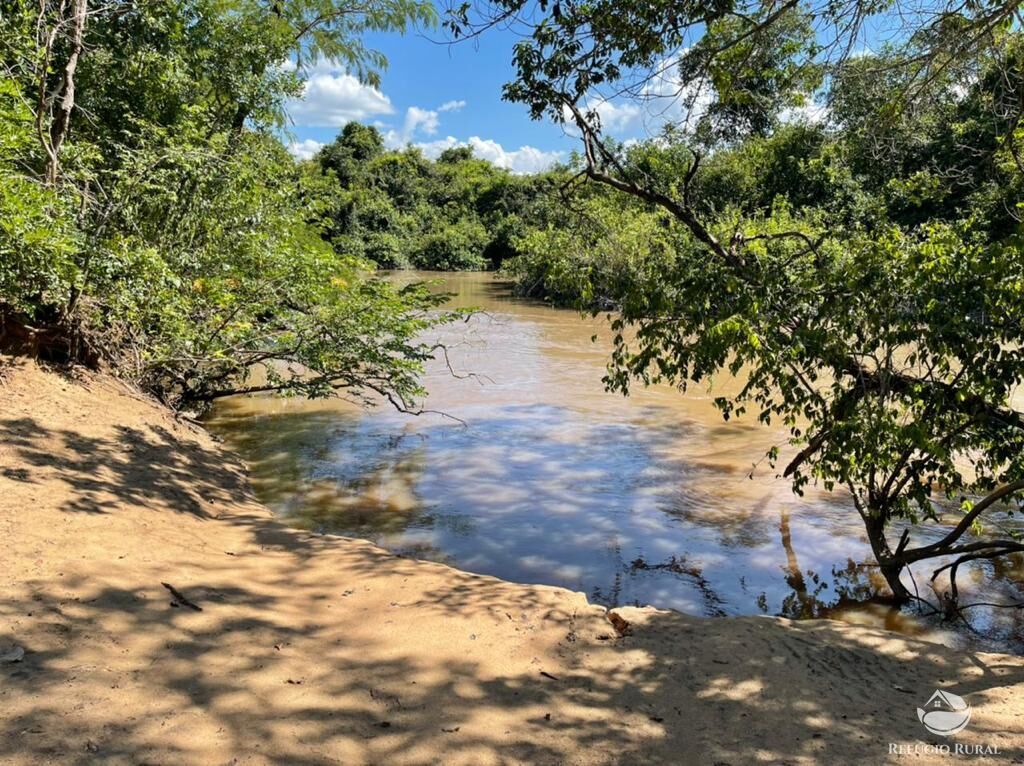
point(432, 95)
point(435, 95)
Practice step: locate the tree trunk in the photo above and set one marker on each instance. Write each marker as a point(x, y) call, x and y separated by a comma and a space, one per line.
point(891, 571)
point(239, 118)
point(890, 565)
point(59, 129)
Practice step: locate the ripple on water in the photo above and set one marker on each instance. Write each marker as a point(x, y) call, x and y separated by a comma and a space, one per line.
point(552, 480)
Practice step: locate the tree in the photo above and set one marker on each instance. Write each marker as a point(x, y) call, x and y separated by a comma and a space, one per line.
point(455, 154)
point(887, 344)
point(151, 218)
point(38, 242)
point(401, 210)
point(350, 153)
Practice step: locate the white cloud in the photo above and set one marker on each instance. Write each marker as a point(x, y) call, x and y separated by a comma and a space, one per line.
point(809, 113)
point(616, 118)
point(525, 159)
point(669, 100)
point(663, 99)
point(419, 121)
point(304, 150)
point(433, 149)
point(331, 97)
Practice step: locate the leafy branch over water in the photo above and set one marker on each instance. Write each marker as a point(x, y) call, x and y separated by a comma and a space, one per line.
point(859, 267)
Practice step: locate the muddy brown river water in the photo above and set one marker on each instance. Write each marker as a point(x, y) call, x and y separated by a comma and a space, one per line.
point(550, 479)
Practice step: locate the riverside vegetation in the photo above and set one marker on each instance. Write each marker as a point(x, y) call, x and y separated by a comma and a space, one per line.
point(840, 227)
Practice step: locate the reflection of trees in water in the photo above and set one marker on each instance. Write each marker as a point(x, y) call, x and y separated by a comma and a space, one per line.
point(994, 609)
point(613, 596)
point(694, 574)
point(850, 584)
point(346, 473)
point(280, 448)
point(857, 588)
point(675, 565)
point(423, 550)
point(735, 525)
point(368, 499)
point(343, 473)
point(367, 489)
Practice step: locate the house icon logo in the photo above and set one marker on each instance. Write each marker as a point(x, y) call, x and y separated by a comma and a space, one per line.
point(944, 713)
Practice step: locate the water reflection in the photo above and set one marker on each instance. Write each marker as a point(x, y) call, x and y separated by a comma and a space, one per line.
point(552, 480)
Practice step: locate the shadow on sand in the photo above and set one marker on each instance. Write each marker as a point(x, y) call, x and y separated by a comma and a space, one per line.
point(286, 665)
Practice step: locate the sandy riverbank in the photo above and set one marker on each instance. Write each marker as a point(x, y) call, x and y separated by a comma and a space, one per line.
point(318, 650)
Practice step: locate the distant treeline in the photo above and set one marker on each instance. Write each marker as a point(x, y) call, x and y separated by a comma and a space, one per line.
point(400, 209)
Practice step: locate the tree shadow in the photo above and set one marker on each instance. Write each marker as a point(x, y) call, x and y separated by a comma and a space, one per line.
point(311, 650)
point(105, 471)
point(244, 679)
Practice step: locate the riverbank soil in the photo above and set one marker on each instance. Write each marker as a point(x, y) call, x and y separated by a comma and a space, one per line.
point(153, 612)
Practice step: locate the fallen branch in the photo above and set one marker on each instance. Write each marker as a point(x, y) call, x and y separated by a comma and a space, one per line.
point(179, 599)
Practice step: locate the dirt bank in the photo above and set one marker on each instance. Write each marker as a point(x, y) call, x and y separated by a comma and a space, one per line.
point(317, 650)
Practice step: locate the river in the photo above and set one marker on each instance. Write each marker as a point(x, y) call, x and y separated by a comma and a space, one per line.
point(546, 478)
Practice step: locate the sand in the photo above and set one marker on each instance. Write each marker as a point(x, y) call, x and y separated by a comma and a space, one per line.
point(312, 649)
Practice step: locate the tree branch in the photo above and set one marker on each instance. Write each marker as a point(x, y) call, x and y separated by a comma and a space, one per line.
point(942, 546)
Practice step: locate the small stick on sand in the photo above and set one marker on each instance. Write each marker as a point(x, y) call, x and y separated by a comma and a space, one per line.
point(180, 598)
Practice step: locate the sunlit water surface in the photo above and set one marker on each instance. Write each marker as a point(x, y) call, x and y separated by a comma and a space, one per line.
point(550, 479)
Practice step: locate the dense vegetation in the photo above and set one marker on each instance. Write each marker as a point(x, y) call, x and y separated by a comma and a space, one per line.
point(401, 210)
point(150, 217)
point(863, 271)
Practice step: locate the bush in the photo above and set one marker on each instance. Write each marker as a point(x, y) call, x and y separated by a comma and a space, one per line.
point(38, 240)
point(587, 259)
point(454, 247)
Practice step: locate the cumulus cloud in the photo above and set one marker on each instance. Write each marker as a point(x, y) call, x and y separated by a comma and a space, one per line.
point(669, 100)
point(615, 117)
point(304, 150)
point(525, 159)
point(424, 120)
point(331, 97)
point(809, 113)
point(419, 121)
point(663, 99)
point(433, 149)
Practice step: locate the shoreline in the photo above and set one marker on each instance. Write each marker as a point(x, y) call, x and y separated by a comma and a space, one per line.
point(318, 649)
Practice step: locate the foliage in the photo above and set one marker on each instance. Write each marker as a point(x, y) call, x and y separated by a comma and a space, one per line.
point(168, 231)
point(593, 252)
point(753, 80)
point(38, 244)
point(402, 210)
point(456, 246)
point(863, 276)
